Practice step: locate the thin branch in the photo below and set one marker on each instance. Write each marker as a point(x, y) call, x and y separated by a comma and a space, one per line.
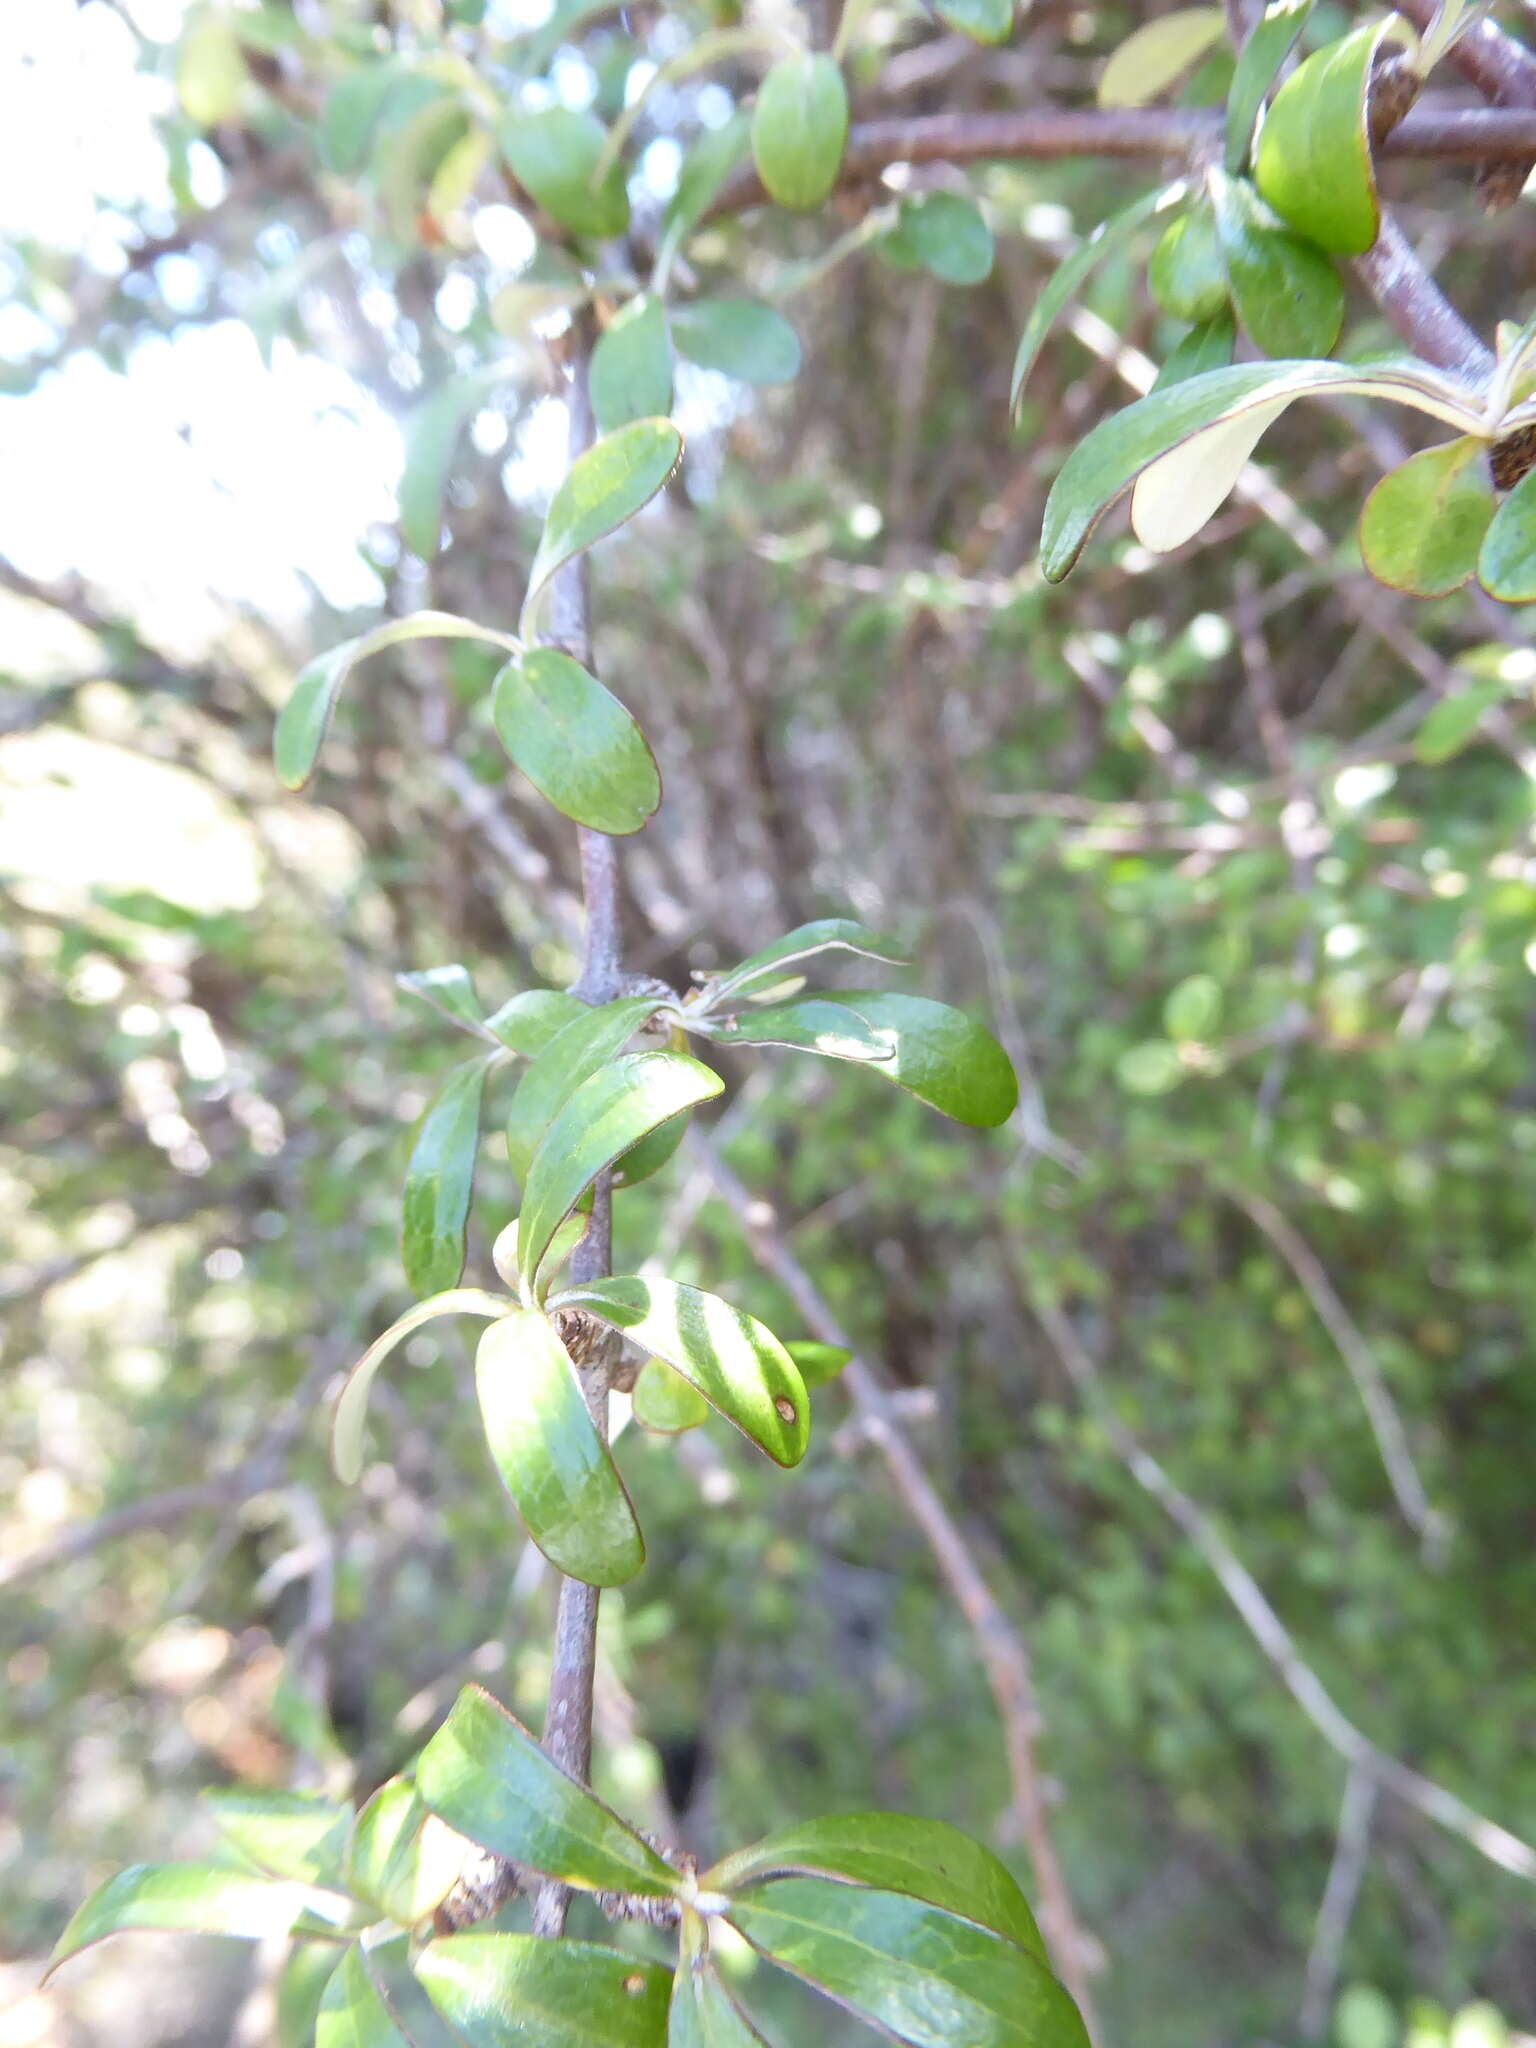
point(1388, 1773)
point(1002, 1650)
point(1346, 1873)
point(1417, 309)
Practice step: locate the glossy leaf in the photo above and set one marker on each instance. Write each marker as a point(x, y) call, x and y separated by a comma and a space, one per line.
point(893, 1852)
point(304, 719)
point(352, 1406)
point(575, 741)
point(1454, 722)
point(530, 1021)
point(1107, 238)
point(402, 1859)
point(949, 236)
point(1206, 347)
point(352, 2012)
point(938, 1055)
point(817, 1363)
point(600, 491)
point(664, 1401)
point(1258, 66)
point(631, 375)
point(1186, 272)
point(451, 991)
point(1158, 53)
point(1507, 564)
point(825, 935)
point(810, 1025)
point(652, 1152)
point(1286, 292)
point(799, 130)
point(1313, 160)
point(739, 338)
point(984, 21)
point(564, 1242)
point(592, 1037)
point(288, 1834)
point(1108, 461)
point(739, 1367)
point(197, 1898)
point(611, 1110)
point(1422, 526)
point(516, 1991)
point(1175, 496)
point(439, 1182)
point(928, 1978)
point(554, 154)
point(430, 442)
point(703, 2013)
point(404, 1997)
point(484, 1774)
point(554, 1464)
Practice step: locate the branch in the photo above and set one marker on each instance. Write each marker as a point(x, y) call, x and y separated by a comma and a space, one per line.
point(1386, 1772)
point(1416, 307)
point(1504, 71)
point(1351, 1852)
point(1003, 1653)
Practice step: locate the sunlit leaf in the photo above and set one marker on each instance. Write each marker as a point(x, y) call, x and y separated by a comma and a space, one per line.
point(1422, 526)
point(451, 991)
point(664, 1401)
point(588, 1041)
point(301, 726)
point(1454, 721)
point(1286, 292)
point(1258, 66)
point(575, 741)
point(198, 1898)
point(825, 935)
point(704, 2014)
point(738, 337)
point(799, 129)
point(430, 442)
point(927, 1977)
point(407, 157)
point(562, 1244)
point(352, 2013)
point(1158, 53)
point(352, 1407)
point(528, 1022)
point(739, 1367)
point(1507, 564)
point(288, 1834)
point(211, 73)
point(612, 1110)
point(1107, 238)
point(553, 154)
point(439, 1181)
point(1192, 1009)
point(402, 1859)
point(600, 491)
point(816, 1362)
point(1175, 496)
point(516, 1991)
point(937, 1054)
point(810, 1025)
point(1313, 161)
point(631, 373)
point(484, 1774)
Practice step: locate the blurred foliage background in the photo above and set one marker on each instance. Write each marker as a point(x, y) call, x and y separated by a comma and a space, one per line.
point(1260, 938)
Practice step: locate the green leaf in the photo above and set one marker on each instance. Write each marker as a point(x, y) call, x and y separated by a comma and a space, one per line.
point(927, 1977)
point(1186, 272)
point(938, 1055)
point(575, 741)
point(451, 991)
point(591, 1038)
point(1207, 347)
point(403, 1859)
point(1258, 66)
point(893, 1852)
point(549, 282)
point(430, 441)
point(601, 490)
point(949, 236)
point(211, 74)
point(799, 130)
point(552, 1461)
point(1507, 564)
point(439, 1182)
point(739, 1367)
point(817, 1363)
point(984, 21)
point(1454, 721)
point(1422, 526)
point(1119, 450)
point(1192, 1010)
point(517, 1991)
point(484, 1774)
point(197, 1898)
point(738, 337)
point(530, 1021)
point(1158, 53)
point(704, 2014)
point(300, 1987)
point(664, 1401)
point(631, 375)
point(1287, 293)
point(564, 1242)
point(301, 726)
point(611, 1110)
point(352, 1405)
point(352, 110)
point(709, 162)
point(810, 1025)
point(388, 1964)
point(1152, 1068)
point(287, 1834)
point(652, 1152)
point(1313, 161)
point(1107, 238)
point(825, 935)
point(352, 2012)
point(553, 154)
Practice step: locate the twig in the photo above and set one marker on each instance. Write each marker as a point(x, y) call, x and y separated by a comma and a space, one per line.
point(1351, 1852)
point(1002, 1650)
point(1417, 308)
point(1386, 1772)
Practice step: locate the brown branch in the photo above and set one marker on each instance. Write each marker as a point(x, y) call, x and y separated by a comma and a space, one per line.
point(1504, 72)
point(1416, 308)
point(1003, 1653)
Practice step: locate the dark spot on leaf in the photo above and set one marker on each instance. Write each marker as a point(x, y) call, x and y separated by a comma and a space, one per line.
point(785, 1407)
